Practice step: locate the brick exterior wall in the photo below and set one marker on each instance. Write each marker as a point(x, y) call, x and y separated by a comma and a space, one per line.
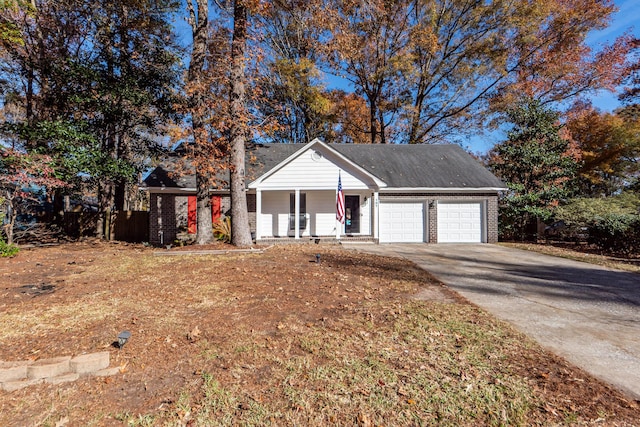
point(167, 210)
point(492, 223)
point(490, 208)
point(251, 207)
point(168, 215)
point(162, 219)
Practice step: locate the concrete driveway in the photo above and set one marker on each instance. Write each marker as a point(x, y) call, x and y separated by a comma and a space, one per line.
point(588, 314)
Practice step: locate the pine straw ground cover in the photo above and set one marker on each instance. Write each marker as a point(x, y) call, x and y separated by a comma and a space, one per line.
point(276, 339)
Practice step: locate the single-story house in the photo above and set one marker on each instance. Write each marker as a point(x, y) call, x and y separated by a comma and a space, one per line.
point(392, 193)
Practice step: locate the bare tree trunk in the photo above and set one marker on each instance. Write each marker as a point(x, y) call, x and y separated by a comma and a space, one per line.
point(240, 230)
point(199, 21)
point(12, 214)
point(105, 202)
point(373, 119)
point(204, 228)
point(383, 131)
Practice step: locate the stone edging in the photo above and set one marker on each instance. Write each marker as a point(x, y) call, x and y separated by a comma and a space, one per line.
point(57, 370)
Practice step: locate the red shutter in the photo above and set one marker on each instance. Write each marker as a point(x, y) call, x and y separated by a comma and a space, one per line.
point(192, 215)
point(216, 208)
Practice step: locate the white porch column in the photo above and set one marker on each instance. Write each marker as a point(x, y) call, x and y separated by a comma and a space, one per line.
point(297, 215)
point(376, 214)
point(258, 214)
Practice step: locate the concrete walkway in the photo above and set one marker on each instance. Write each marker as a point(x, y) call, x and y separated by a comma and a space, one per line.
point(588, 314)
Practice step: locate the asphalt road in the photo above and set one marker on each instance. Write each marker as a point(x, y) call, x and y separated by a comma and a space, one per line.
point(589, 315)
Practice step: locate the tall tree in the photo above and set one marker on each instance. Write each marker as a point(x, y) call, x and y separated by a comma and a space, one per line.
point(197, 93)
point(537, 164)
point(368, 43)
point(240, 230)
point(133, 73)
point(105, 71)
point(610, 149)
point(294, 97)
point(430, 68)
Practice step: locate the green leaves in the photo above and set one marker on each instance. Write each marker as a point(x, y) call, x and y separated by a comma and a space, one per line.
point(93, 86)
point(537, 165)
point(612, 223)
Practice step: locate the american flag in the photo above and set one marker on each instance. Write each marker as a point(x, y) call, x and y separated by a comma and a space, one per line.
point(340, 202)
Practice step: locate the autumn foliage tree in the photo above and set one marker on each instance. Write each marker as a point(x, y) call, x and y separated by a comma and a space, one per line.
point(610, 148)
point(23, 178)
point(432, 68)
point(348, 121)
point(218, 110)
point(631, 93)
point(293, 96)
point(368, 44)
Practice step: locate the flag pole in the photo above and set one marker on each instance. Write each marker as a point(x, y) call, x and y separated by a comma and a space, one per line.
point(339, 207)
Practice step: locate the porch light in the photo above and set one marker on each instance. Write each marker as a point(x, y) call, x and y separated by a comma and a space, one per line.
point(123, 337)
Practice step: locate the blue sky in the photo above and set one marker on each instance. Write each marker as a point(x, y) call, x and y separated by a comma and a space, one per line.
point(626, 19)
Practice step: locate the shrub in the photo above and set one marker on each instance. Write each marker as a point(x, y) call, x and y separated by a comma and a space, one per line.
point(222, 229)
point(7, 250)
point(612, 223)
point(616, 232)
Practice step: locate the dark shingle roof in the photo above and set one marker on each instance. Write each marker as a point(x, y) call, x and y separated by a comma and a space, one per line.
point(163, 177)
point(399, 166)
point(422, 166)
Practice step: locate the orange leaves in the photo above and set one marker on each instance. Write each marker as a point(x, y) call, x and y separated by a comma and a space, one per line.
point(556, 64)
point(349, 118)
point(606, 142)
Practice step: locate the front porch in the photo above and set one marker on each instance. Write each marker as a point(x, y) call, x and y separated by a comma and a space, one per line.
point(310, 215)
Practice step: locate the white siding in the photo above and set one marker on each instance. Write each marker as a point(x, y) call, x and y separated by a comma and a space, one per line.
point(321, 214)
point(321, 206)
point(309, 172)
point(275, 213)
point(365, 214)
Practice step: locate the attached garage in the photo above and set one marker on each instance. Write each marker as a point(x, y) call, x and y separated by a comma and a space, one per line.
point(402, 222)
point(460, 222)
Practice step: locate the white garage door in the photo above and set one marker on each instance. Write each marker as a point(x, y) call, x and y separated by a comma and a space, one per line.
point(401, 222)
point(459, 222)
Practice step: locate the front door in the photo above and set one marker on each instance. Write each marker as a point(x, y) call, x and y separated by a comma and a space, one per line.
point(352, 214)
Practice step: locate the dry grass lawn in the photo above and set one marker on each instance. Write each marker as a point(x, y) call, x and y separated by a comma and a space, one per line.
point(276, 339)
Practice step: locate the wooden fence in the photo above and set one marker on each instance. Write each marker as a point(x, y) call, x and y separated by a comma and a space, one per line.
point(127, 226)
